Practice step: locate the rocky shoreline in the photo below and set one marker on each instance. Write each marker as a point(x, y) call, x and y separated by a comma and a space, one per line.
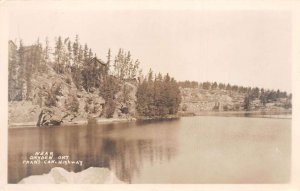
point(75, 122)
point(279, 114)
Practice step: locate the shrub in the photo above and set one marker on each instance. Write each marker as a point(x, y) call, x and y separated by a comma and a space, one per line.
point(72, 103)
point(225, 108)
point(110, 107)
point(50, 100)
point(68, 80)
point(54, 91)
point(184, 107)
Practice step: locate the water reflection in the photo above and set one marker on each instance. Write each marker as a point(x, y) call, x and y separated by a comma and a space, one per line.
point(123, 147)
point(203, 149)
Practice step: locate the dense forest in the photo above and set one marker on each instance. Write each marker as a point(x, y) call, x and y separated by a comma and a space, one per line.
point(158, 96)
point(79, 65)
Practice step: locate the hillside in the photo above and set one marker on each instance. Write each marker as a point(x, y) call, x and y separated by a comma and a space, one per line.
point(70, 104)
point(197, 101)
point(69, 84)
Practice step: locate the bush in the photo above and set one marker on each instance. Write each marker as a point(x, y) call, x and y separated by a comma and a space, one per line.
point(288, 105)
point(68, 80)
point(110, 107)
point(54, 91)
point(184, 107)
point(72, 103)
point(50, 100)
point(225, 108)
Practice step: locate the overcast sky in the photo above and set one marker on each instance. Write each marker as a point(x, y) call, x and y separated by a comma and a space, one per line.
point(250, 48)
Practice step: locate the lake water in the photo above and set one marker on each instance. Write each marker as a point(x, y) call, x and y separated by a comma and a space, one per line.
point(203, 149)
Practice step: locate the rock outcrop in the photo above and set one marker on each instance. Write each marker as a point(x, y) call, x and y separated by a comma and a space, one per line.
point(196, 101)
point(55, 100)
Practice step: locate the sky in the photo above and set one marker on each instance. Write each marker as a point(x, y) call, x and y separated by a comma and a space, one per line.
point(249, 48)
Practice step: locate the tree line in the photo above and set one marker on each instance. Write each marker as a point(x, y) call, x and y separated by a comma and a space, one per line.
point(23, 63)
point(266, 96)
point(251, 93)
point(255, 92)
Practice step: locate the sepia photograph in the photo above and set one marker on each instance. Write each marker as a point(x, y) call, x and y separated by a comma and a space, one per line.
point(149, 96)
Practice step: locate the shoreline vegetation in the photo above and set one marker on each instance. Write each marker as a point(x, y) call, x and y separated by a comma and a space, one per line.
point(259, 114)
point(68, 84)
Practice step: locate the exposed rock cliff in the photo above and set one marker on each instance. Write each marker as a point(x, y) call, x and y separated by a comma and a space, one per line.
point(54, 100)
point(197, 101)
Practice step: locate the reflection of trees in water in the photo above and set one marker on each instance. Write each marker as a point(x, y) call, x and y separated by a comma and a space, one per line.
point(130, 155)
point(95, 146)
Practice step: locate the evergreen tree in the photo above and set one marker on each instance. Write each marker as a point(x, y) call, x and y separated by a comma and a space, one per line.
point(221, 86)
point(263, 97)
point(80, 57)
point(58, 57)
point(45, 56)
point(85, 53)
point(158, 97)
point(12, 72)
point(206, 85)
point(214, 86)
point(69, 57)
point(255, 92)
point(108, 90)
point(124, 66)
point(108, 61)
point(90, 54)
point(228, 87)
point(75, 52)
point(247, 103)
point(21, 72)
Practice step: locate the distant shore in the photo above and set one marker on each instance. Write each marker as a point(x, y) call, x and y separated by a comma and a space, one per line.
point(144, 118)
point(284, 114)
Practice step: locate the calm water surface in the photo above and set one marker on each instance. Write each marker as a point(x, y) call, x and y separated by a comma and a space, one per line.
point(200, 149)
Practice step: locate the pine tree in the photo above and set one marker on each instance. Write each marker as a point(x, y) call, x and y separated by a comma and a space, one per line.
point(37, 56)
point(108, 90)
point(80, 57)
point(247, 102)
point(206, 85)
point(159, 97)
point(12, 72)
point(108, 61)
point(85, 53)
point(228, 87)
point(21, 73)
point(58, 56)
point(142, 100)
point(214, 86)
point(45, 56)
point(263, 97)
point(69, 57)
point(76, 67)
point(75, 52)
